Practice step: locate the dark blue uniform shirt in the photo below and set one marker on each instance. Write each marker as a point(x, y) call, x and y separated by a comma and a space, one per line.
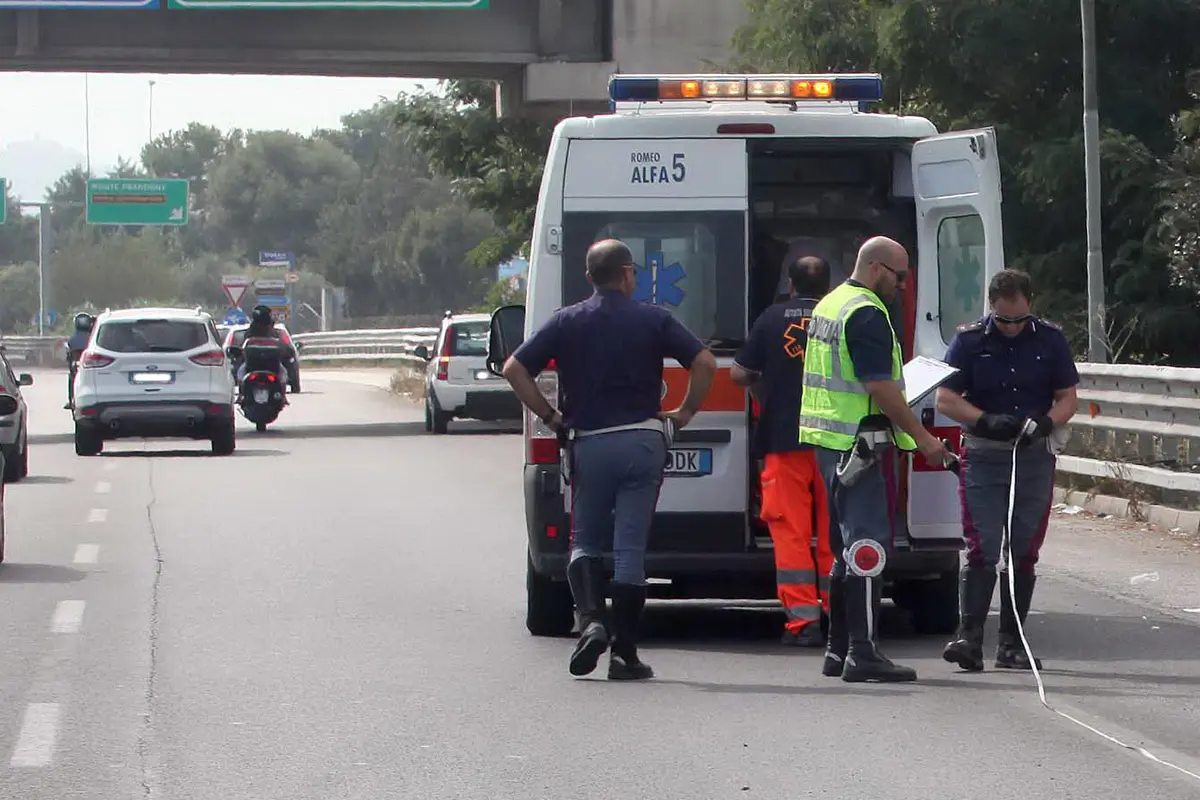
point(869, 338)
point(775, 350)
point(609, 352)
point(1017, 375)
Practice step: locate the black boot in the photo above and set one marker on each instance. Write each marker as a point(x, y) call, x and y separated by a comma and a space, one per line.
point(975, 589)
point(864, 662)
point(1010, 652)
point(623, 663)
point(839, 637)
point(586, 578)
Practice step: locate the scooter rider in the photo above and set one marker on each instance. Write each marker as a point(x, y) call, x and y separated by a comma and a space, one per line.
point(854, 411)
point(76, 344)
point(1016, 381)
point(262, 326)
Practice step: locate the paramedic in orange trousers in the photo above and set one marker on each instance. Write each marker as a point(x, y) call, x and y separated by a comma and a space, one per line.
point(794, 505)
point(609, 351)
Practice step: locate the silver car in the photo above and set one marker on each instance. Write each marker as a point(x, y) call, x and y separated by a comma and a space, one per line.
point(14, 427)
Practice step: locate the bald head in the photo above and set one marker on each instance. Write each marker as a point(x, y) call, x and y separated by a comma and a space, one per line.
point(606, 261)
point(882, 265)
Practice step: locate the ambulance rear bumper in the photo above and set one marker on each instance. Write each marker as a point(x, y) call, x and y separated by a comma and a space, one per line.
point(703, 555)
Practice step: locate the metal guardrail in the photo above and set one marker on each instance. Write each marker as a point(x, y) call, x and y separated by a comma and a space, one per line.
point(1137, 424)
point(394, 346)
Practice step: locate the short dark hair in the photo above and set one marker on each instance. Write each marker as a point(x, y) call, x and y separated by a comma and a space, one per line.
point(1010, 284)
point(809, 276)
point(605, 260)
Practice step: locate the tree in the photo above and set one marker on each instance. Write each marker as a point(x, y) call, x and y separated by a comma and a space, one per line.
point(270, 194)
point(495, 164)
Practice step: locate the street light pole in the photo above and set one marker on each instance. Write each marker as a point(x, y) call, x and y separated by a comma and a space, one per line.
point(1097, 344)
point(87, 124)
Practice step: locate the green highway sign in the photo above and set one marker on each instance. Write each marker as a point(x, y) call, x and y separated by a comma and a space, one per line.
point(137, 201)
point(3, 200)
point(387, 5)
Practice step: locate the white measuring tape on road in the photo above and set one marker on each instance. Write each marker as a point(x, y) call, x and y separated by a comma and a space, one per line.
point(1012, 599)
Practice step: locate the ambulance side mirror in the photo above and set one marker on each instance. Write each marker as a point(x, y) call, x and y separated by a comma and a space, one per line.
point(506, 335)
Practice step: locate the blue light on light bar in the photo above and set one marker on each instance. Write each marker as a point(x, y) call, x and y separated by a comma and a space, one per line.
point(861, 88)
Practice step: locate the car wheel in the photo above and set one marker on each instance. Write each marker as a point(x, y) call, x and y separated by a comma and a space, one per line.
point(12, 466)
point(3, 526)
point(224, 441)
point(549, 607)
point(439, 421)
point(23, 460)
point(87, 443)
point(934, 604)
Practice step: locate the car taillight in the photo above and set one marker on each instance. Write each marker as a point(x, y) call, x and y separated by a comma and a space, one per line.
point(211, 358)
point(93, 360)
point(542, 447)
point(443, 370)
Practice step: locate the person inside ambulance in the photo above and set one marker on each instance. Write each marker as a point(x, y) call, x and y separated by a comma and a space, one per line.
point(771, 364)
point(1016, 386)
point(855, 413)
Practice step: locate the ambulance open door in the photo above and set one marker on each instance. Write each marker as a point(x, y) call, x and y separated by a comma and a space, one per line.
point(956, 184)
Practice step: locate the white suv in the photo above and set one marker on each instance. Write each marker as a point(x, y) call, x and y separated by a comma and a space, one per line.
point(457, 381)
point(153, 372)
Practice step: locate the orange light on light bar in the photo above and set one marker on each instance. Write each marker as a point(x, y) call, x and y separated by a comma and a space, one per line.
point(808, 89)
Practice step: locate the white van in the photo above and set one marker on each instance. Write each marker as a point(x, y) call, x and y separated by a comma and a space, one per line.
point(715, 182)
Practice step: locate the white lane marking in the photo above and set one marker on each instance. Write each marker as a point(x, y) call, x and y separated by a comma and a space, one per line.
point(68, 616)
point(110, 465)
point(103, 487)
point(98, 515)
point(35, 746)
point(87, 553)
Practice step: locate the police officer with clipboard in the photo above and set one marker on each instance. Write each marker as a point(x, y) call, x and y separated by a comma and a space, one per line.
point(609, 352)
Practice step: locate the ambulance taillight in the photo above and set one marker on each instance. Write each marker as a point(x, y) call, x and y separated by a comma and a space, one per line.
point(542, 444)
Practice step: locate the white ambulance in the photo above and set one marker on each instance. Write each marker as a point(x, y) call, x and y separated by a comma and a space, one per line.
point(716, 182)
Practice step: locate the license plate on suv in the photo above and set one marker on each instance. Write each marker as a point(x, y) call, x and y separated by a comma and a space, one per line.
point(151, 378)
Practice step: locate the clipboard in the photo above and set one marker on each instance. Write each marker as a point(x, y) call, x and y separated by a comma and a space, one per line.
point(922, 376)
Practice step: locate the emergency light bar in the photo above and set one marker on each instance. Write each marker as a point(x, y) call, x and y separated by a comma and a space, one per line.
point(860, 88)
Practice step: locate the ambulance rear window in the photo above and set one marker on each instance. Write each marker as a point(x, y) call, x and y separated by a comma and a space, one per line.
point(692, 263)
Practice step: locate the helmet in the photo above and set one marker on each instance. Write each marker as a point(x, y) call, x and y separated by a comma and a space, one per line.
point(84, 321)
point(261, 315)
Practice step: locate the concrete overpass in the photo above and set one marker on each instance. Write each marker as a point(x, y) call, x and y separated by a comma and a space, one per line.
point(552, 56)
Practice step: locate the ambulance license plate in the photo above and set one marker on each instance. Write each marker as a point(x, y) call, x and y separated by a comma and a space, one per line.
point(688, 463)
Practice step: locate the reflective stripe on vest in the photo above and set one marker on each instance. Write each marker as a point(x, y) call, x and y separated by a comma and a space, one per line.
point(835, 400)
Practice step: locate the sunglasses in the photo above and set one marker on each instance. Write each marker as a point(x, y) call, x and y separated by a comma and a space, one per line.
point(1012, 320)
point(901, 276)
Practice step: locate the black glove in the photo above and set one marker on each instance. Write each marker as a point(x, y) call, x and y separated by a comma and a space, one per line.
point(1000, 427)
point(1045, 426)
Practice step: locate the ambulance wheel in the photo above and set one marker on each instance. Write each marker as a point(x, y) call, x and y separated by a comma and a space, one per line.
point(549, 607)
point(934, 604)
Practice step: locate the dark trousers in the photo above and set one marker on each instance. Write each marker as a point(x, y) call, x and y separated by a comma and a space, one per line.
point(615, 479)
point(983, 493)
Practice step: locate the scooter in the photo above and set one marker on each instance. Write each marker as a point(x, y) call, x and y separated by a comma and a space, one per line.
point(261, 393)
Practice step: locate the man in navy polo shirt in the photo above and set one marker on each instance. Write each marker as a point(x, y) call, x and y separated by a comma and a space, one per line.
point(1014, 368)
point(794, 505)
point(609, 352)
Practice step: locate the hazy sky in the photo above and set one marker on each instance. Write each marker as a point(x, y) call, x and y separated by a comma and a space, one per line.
point(51, 106)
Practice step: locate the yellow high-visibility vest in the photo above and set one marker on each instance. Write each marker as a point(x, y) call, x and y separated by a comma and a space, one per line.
point(835, 401)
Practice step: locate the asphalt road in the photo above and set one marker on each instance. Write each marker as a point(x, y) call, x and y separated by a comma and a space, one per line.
point(337, 612)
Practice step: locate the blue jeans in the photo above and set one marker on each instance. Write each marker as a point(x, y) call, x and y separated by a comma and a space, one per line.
point(615, 479)
point(862, 511)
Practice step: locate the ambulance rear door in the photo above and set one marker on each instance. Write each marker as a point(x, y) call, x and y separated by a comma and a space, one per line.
point(681, 206)
point(956, 182)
